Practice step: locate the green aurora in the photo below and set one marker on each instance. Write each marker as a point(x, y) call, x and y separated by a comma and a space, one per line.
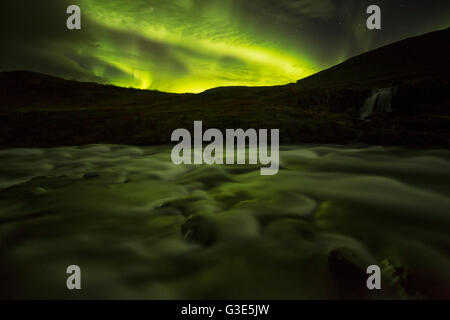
point(194, 45)
point(218, 50)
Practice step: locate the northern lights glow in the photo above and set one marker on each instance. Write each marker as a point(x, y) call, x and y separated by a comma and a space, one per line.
point(193, 45)
point(204, 49)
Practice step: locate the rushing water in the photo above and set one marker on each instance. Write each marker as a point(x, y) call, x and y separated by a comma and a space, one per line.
point(379, 101)
point(141, 227)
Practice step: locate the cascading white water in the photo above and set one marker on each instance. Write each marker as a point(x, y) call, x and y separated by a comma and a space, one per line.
point(379, 101)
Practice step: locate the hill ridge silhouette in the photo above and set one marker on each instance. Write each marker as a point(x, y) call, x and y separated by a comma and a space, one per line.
point(38, 110)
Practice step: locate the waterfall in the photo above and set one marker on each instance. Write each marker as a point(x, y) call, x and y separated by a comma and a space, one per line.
point(379, 101)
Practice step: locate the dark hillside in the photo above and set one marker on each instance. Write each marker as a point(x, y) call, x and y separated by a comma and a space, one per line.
point(40, 110)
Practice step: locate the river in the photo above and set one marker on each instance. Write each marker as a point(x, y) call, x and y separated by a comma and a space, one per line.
point(141, 227)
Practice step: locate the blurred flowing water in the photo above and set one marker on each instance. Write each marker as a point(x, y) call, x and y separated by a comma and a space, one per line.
point(142, 228)
point(379, 101)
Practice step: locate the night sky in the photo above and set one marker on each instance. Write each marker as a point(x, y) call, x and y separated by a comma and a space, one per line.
point(193, 45)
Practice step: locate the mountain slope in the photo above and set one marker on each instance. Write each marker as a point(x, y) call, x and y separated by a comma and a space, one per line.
point(40, 110)
point(426, 57)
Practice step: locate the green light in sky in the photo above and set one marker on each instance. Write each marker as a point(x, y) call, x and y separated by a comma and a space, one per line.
point(187, 46)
